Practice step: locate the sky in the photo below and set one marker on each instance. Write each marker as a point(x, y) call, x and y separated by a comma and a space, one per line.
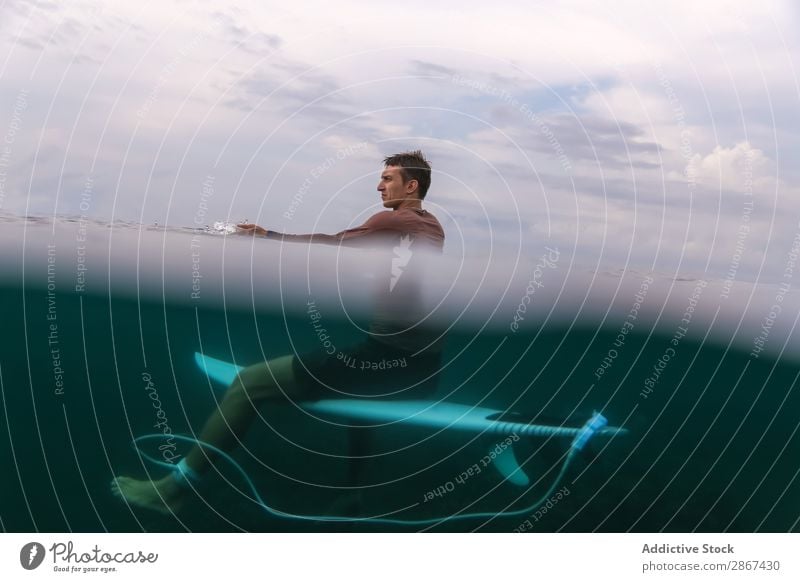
point(652, 136)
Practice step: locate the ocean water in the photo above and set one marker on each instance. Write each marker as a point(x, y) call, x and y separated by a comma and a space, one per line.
point(95, 355)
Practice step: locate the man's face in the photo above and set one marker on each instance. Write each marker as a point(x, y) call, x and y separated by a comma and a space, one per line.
point(392, 189)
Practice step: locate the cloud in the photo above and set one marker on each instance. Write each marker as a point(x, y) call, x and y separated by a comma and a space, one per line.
point(282, 88)
point(740, 168)
point(243, 36)
point(45, 26)
point(423, 68)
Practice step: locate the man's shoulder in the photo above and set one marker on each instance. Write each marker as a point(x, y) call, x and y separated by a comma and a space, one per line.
point(403, 220)
point(382, 218)
point(383, 213)
point(411, 213)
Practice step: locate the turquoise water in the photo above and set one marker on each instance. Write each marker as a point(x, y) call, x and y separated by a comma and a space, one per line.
point(712, 447)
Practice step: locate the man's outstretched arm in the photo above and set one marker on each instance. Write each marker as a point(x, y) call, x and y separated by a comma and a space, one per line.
point(375, 228)
point(255, 230)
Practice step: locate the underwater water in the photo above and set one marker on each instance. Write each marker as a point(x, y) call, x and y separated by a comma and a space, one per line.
point(94, 357)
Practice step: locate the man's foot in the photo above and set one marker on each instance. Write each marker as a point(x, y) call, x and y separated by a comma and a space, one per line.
point(164, 495)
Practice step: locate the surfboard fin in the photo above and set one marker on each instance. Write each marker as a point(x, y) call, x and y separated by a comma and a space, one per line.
point(222, 372)
point(506, 463)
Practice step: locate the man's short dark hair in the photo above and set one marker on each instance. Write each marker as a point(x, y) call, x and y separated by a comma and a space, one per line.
point(413, 166)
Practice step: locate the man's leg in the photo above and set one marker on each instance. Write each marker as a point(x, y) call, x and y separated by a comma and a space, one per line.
point(224, 429)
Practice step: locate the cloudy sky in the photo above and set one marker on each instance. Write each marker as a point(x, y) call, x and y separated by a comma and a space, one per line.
point(643, 135)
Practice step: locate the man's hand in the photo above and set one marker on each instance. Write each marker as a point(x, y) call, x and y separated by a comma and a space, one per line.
point(251, 229)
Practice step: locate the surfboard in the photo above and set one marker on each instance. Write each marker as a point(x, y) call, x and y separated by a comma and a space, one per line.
point(430, 414)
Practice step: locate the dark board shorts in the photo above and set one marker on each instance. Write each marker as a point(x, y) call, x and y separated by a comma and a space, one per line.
point(368, 369)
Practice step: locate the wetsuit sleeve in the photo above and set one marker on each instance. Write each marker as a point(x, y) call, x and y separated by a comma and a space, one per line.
point(373, 230)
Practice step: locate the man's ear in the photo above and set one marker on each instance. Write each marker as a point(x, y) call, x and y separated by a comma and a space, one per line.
point(412, 185)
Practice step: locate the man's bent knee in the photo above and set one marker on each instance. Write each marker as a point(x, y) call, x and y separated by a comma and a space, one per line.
point(265, 380)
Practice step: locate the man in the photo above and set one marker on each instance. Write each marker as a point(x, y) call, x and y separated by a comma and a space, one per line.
point(395, 335)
